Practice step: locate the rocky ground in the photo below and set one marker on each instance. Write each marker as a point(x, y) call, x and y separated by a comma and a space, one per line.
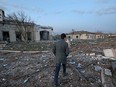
point(36, 69)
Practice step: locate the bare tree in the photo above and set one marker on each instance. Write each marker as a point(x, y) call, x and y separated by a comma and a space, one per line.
point(23, 24)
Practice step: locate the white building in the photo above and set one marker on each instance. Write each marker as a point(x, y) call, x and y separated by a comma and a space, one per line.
point(43, 33)
point(9, 31)
point(81, 35)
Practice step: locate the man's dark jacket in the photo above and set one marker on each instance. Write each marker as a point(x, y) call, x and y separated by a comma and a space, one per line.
point(61, 51)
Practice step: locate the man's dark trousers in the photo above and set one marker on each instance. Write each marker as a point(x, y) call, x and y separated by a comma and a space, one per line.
point(57, 69)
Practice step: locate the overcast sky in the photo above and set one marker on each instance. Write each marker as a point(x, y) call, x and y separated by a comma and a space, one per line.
point(65, 15)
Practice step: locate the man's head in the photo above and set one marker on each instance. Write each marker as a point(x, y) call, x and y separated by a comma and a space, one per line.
point(63, 36)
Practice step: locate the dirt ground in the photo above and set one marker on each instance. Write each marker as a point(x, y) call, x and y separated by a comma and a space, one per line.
point(36, 69)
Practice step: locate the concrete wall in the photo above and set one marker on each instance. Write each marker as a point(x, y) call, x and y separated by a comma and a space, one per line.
point(12, 32)
point(9, 28)
point(37, 36)
point(35, 32)
point(0, 33)
point(12, 36)
point(38, 29)
point(1, 15)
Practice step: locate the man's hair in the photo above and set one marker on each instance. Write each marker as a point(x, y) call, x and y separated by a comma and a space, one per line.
point(63, 36)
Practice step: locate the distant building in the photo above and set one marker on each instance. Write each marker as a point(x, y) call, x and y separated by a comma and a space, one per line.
point(9, 31)
point(81, 35)
point(100, 35)
point(85, 35)
point(112, 35)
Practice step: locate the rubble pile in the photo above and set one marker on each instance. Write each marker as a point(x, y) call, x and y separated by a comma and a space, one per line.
point(30, 70)
point(93, 46)
point(29, 46)
point(37, 70)
point(2, 44)
point(91, 68)
point(33, 65)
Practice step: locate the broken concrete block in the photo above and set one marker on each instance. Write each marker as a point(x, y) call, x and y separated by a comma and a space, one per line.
point(69, 56)
point(5, 65)
point(4, 79)
point(72, 62)
point(1, 59)
point(110, 52)
point(97, 68)
point(108, 72)
point(79, 65)
point(92, 54)
point(25, 81)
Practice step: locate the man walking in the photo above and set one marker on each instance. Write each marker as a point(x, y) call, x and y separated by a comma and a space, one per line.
point(61, 51)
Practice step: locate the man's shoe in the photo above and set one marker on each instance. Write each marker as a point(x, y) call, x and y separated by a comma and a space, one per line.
point(55, 86)
point(65, 74)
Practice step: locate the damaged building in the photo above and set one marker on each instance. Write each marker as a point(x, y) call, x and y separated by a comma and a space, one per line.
point(10, 33)
point(85, 35)
point(43, 32)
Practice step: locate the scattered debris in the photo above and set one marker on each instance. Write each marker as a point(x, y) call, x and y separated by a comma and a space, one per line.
point(97, 68)
point(5, 65)
point(32, 65)
point(108, 72)
point(25, 81)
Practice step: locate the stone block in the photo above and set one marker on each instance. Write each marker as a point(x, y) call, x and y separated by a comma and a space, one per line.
point(110, 52)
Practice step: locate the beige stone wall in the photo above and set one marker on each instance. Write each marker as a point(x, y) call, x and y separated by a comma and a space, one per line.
point(91, 36)
point(100, 36)
point(83, 36)
point(77, 36)
point(86, 36)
